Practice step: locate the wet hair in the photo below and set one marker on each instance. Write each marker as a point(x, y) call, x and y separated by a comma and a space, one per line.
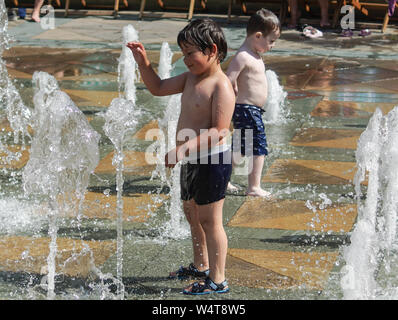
point(264, 21)
point(203, 33)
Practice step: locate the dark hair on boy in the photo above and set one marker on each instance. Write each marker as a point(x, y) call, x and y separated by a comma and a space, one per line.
point(203, 33)
point(264, 21)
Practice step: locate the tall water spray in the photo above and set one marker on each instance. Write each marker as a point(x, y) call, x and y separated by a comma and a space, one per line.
point(121, 118)
point(373, 248)
point(64, 152)
point(164, 72)
point(10, 101)
point(127, 67)
point(174, 228)
point(11, 104)
point(275, 107)
point(165, 61)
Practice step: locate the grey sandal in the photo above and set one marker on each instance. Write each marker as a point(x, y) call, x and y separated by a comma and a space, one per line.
point(207, 287)
point(189, 272)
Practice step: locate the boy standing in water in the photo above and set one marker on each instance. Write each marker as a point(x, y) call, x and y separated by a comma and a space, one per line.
point(247, 74)
point(207, 105)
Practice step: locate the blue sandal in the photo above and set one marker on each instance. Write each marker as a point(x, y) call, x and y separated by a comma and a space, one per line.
point(207, 287)
point(189, 272)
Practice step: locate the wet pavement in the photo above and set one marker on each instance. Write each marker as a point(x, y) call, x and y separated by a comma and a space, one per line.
point(289, 248)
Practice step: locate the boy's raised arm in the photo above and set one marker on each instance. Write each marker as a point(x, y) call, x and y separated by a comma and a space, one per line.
point(155, 85)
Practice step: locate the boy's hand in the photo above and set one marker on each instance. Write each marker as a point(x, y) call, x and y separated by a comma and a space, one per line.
point(174, 156)
point(139, 53)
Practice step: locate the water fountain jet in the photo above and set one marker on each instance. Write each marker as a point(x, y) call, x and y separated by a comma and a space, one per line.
point(64, 152)
point(11, 103)
point(174, 227)
point(120, 119)
point(373, 240)
point(275, 107)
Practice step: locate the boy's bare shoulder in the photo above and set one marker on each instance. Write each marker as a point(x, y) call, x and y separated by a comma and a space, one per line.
point(243, 53)
point(223, 96)
point(222, 79)
point(242, 57)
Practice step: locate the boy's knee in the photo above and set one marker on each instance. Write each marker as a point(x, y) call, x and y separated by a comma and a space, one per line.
point(190, 211)
point(208, 222)
point(207, 225)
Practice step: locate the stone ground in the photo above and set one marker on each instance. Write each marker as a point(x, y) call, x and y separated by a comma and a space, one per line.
point(289, 248)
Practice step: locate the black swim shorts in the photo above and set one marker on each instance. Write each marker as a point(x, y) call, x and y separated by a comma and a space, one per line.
point(206, 183)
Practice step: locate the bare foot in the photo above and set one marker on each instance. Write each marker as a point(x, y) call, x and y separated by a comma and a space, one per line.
point(35, 17)
point(258, 192)
point(232, 188)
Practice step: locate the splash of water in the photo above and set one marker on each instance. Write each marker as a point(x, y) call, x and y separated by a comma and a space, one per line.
point(4, 37)
point(275, 107)
point(164, 72)
point(64, 152)
point(120, 118)
point(11, 103)
point(373, 247)
point(175, 227)
point(165, 59)
point(127, 67)
point(18, 216)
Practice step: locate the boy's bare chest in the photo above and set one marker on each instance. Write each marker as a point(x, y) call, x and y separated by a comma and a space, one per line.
point(256, 68)
point(197, 98)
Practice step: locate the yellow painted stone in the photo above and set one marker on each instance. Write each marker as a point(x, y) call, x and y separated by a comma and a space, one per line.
point(5, 161)
point(310, 171)
point(74, 257)
point(5, 127)
point(326, 138)
point(293, 215)
point(135, 162)
point(136, 207)
point(244, 273)
point(342, 169)
point(371, 107)
point(145, 134)
point(328, 107)
point(342, 143)
point(307, 268)
point(92, 97)
point(96, 205)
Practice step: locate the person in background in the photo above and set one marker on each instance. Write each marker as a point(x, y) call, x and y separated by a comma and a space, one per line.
point(36, 10)
point(295, 13)
point(246, 72)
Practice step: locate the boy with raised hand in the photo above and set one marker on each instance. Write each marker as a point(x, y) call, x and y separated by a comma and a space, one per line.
point(207, 105)
point(247, 74)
